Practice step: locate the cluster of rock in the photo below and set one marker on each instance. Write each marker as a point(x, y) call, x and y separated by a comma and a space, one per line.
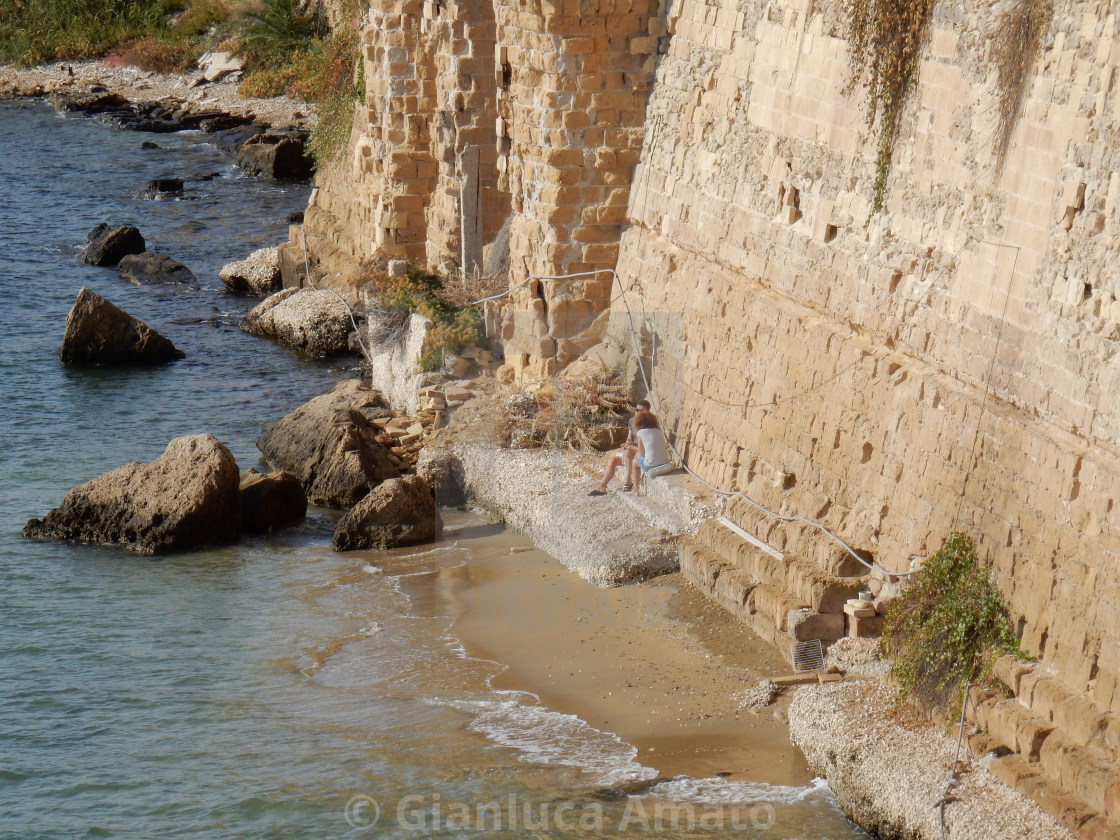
point(124, 247)
point(339, 450)
point(276, 154)
point(190, 496)
point(344, 449)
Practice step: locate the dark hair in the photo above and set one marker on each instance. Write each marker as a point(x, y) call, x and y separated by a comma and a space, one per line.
point(645, 420)
point(643, 404)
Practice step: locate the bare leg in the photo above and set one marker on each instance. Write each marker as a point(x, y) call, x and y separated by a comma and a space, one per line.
point(612, 465)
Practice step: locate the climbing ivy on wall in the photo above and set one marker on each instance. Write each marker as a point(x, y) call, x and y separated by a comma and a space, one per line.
point(885, 38)
point(1016, 42)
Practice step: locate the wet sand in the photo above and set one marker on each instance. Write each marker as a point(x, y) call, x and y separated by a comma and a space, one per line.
point(655, 663)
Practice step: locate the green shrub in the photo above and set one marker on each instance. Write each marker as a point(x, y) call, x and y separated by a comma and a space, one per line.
point(281, 30)
point(34, 31)
point(199, 17)
point(947, 627)
point(453, 327)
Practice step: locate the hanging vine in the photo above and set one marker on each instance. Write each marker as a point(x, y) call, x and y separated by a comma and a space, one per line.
point(1016, 43)
point(885, 38)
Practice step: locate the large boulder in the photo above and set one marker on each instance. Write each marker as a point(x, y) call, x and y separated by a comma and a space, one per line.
point(310, 321)
point(187, 497)
point(148, 268)
point(399, 512)
point(106, 245)
point(270, 501)
point(278, 156)
point(258, 274)
point(331, 445)
point(98, 333)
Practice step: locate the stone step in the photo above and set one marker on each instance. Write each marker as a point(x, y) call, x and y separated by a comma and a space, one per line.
point(774, 614)
point(807, 542)
point(808, 584)
point(1046, 762)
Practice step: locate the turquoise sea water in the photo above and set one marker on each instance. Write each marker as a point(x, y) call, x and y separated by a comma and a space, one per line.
point(273, 688)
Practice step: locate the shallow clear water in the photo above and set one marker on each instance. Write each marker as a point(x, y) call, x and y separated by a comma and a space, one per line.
point(273, 688)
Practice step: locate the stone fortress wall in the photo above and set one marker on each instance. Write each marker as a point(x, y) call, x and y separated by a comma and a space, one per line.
point(949, 364)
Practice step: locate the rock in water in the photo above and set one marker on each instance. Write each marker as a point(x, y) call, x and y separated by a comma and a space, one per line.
point(187, 497)
point(314, 322)
point(399, 512)
point(278, 156)
point(330, 445)
point(106, 245)
point(258, 274)
point(98, 333)
point(270, 502)
point(148, 268)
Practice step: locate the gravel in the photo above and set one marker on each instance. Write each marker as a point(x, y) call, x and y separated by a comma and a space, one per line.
point(142, 86)
point(890, 772)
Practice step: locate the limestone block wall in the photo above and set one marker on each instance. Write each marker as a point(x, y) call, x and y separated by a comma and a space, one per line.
point(423, 143)
point(951, 364)
point(477, 113)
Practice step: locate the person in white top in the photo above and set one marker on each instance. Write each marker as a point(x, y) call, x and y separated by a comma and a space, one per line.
point(653, 449)
point(625, 455)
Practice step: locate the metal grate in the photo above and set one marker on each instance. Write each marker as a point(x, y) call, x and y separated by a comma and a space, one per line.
point(807, 655)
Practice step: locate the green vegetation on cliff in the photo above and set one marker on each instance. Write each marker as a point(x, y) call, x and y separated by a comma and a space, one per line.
point(947, 627)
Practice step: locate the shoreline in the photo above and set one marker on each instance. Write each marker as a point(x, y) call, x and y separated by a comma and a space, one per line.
point(138, 85)
point(651, 663)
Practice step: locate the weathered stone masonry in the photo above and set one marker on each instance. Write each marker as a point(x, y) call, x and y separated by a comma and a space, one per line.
point(950, 365)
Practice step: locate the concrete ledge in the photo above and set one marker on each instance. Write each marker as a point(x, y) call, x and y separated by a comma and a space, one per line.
point(543, 495)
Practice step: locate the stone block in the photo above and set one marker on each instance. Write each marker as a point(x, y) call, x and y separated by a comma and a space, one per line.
point(869, 627)
point(1008, 669)
point(806, 624)
point(1097, 828)
point(1094, 779)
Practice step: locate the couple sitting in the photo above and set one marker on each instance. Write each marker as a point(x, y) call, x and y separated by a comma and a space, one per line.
point(645, 449)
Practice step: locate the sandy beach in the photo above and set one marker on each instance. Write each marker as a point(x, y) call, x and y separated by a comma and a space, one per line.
point(655, 663)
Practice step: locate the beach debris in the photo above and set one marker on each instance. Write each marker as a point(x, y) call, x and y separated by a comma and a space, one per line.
point(758, 696)
point(270, 501)
point(258, 274)
point(188, 497)
point(100, 334)
point(398, 512)
point(311, 321)
point(106, 245)
point(332, 445)
point(149, 269)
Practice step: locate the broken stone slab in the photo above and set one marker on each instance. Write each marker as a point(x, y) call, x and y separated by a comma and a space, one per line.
point(215, 64)
point(106, 245)
point(98, 333)
point(398, 512)
point(186, 498)
point(330, 445)
point(312, 322)
point(149, 269)
point(258, 274)
point(271, 501)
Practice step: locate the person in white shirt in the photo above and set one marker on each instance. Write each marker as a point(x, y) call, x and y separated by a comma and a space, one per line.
point(626, 453)
point(653, 449)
